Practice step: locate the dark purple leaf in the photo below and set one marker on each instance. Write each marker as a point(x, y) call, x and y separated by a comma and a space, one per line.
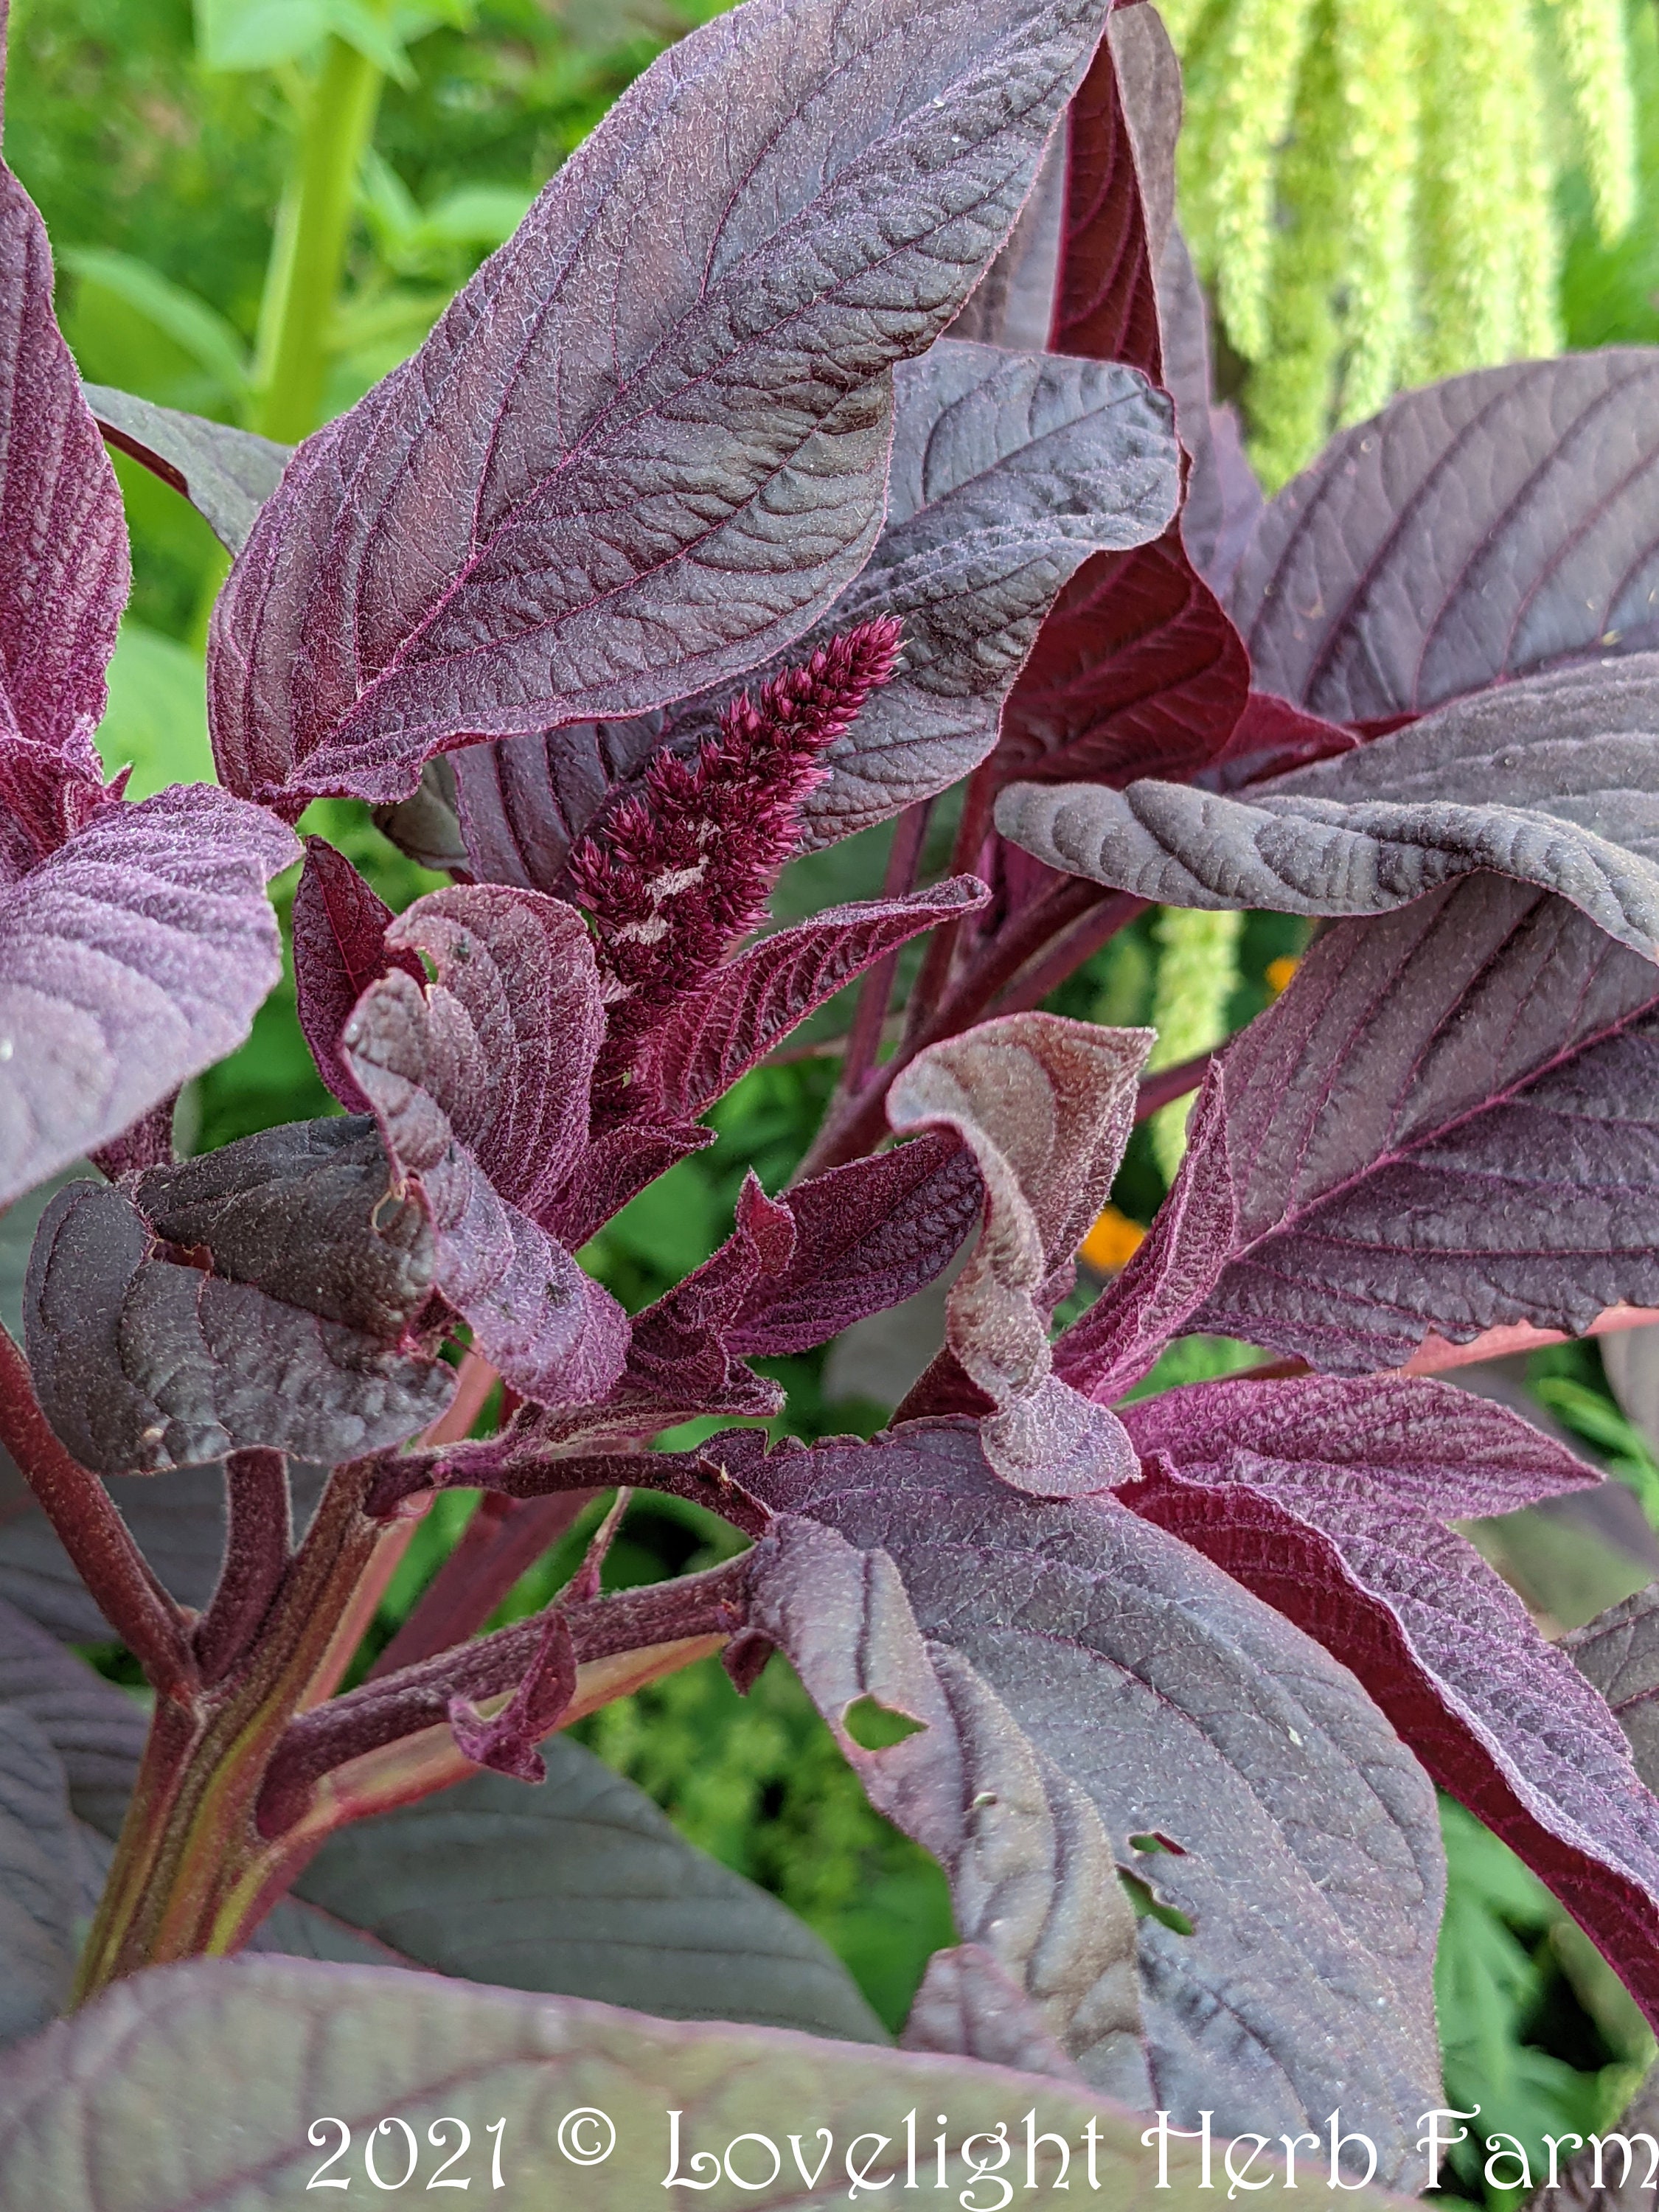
point(1551, 779)
point(1491, 527)
point(96, 1730)
point(130, 961)
point(1449, 1122)
point(1137, 668)
point(1498, 1715)
point(339, 950)
point(226, 474)
point(522, 802)
point(733, 1020)
point(1030, 1860)
point(617, 1165)
point(64, 567)
point(867, 1236)
point(146, 1144)
point(1045, 1106)
point(479, 1080)
point(646, 448)
point(1009, 471)
point(265, 1294)
point(1619, 1653)
point(1127, 1672)
point(38, 1885)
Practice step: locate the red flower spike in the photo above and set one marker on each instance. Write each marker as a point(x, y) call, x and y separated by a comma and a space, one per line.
point(681, 871)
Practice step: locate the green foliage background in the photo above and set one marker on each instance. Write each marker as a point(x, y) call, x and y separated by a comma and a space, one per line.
point(159, 178)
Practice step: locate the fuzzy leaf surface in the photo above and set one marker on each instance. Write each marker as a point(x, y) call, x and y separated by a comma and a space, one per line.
point(225, 473)
point(1045, 1106)
point(647, 446)
point(259, 1295)
point(1551, 779)
point(1128, 1668)
point(246, 2036)
point(37, 1879)
point(1009, 471)
point(580, 1887)
point(339, 950)
point(1498, 1715)
point(1449, 1122)
point(722, 1030)
point(479, 1080)
point(1619, 1653)
point(64, 567)
point(131, 959)
point(1487, 527)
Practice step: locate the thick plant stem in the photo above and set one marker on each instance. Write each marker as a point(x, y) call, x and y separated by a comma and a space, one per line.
point(190, 1832)
point(313, 233)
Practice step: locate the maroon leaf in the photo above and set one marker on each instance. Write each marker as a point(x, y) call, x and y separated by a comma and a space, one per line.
point(1046, 1106)
point(226, 474)
point(131, 960)
point(1498, 1717)
point(1121, 1665)
point(265, 1294)
point(1410, 1132)
point(479, 1081)
point(1487, 527)
point(339, 950)
point(523, 803)
point(646, 447)
point(734, 1021)
point(64, 567)
point(1137, 669)
point(867, 1236)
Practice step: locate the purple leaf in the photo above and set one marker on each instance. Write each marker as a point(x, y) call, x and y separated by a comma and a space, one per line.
point(1498, 1717)
point(1487, 527)
point(1045, 1106)
point(130, 961)
point(479, 1081)
point(1009, 471)
point(63, 566)
point(1550, 780)
point(339, 950)
point(524, 802)
point(646, 448)
point(867, 1236)
point(39, 1867)
point(1124, 1669)
point(731, 1024)
point(1447, 1123)
point(1617, 1652)
point(265, 1294)
point(1032, 1876)
point(226, 474)
point(507, 1743)
point(1171, 1272)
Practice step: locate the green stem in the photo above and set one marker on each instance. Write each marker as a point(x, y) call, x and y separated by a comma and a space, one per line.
point(308, 257)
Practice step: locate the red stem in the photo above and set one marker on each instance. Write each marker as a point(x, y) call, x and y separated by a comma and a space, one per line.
point(1068, 952)
point(97, 1538)
point(972, 831)
point(378, 1713)
point(861, 1127)
point(505, 1536)
point(258, 1535)
point(1170, 1083)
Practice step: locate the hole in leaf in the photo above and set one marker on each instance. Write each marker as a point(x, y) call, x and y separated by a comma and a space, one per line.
point(875, 1727)
point(1154, 1841)
point(1148, 1907)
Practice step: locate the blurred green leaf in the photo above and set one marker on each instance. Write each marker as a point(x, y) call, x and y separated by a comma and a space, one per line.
point(195, 328)
point(261, 35)
point(157, 718)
